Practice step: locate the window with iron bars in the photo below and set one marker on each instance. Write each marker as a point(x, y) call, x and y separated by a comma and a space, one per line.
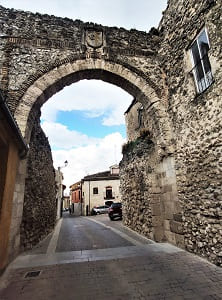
point(201, 64)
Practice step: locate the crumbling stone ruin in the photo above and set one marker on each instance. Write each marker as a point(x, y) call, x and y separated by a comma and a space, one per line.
point(171, 167)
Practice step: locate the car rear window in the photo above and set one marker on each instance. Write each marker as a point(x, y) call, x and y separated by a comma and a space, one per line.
point(116, 205)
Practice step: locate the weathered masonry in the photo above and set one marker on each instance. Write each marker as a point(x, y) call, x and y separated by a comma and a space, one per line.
point(171, 168)
point(171, 180)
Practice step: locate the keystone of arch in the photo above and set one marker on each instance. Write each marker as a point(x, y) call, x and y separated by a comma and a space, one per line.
point(50, 78)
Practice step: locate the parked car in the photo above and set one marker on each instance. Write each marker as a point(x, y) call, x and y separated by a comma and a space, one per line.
point(109, 202)
point(115, 211)
point(100, 210)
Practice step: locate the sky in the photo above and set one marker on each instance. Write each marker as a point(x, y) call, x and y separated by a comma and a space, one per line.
point(85, 121)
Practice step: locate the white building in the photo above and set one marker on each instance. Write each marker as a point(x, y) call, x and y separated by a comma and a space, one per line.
point(59, 192)
point(100, 189)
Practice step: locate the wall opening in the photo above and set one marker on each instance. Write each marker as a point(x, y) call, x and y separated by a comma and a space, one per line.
point(111, 73)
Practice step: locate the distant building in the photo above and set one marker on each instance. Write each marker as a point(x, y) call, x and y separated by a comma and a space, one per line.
point(76, 198)
point(100, 188)
point(66, 202)
point(59, 192)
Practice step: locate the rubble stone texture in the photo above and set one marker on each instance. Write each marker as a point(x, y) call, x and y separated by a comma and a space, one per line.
point(171, 170)
point(191, 215)
point(39, 210)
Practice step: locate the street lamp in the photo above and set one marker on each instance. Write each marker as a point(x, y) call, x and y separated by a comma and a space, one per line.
point(65, 165)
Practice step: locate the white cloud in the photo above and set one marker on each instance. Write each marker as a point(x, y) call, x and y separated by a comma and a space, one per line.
point(94, 97)
point(140, 14)
point(61, 137)
point(85, 154)
point(116, 117)
point(90, 159)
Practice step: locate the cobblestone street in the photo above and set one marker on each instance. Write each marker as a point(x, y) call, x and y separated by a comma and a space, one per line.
point(122, 266)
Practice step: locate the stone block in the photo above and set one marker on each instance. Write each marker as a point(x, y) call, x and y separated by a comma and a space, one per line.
point(166, 225)
point(177, 207)
point(155, 190)
point(180, 240)
point(62, 70)
point(167, 188)
point(17, 187)
point(170, 237)
point(168, 210)
point(155, 209)
point(158, 234)
point(22, 167)
point(157, 221)
point(177, 217)
point(20, 197)
point(176, 227)
point(166, 196)
point(19, 210)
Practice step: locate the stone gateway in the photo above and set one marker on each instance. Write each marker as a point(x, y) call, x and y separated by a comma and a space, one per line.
point(171, 171)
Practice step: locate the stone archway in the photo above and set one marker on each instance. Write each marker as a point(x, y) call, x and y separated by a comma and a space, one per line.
point(157, 70)
point(49, 63)
point(129, 80)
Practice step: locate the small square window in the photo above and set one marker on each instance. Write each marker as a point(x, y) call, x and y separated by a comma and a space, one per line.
point(95, 190)
point(201, 64)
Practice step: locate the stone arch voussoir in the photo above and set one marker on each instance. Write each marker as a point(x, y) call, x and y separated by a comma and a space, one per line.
point(132, 81)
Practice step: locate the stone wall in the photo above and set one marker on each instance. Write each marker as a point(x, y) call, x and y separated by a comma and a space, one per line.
point(41, 54)
point(196, 123)
point(136, 184)
point(32, 44)
point(133, 126)
point(39, 210)
point(196, 208)
point(149, 191)
point(172, 171)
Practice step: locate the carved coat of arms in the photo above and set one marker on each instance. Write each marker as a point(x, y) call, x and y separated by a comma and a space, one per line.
point(94, 38)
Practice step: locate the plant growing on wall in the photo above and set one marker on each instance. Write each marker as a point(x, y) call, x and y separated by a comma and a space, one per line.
point(145, 136)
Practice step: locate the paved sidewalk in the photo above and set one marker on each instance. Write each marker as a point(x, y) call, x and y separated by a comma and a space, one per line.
point(137, 269)
point(153, 275)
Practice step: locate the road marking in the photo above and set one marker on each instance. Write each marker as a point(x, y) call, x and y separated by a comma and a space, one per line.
point(53, 242)
point(120, 233)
